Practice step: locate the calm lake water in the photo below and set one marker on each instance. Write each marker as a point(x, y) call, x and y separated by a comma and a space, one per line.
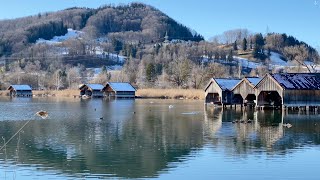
point(126, 139)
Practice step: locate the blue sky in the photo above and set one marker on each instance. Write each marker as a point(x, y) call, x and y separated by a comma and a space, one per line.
point(300, 18)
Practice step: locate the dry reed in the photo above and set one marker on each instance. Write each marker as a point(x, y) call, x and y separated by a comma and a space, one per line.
point(171, 93)
point(60, 93)
point(143, 93)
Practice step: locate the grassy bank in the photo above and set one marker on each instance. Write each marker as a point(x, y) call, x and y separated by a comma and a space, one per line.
point(171, 93)
point(143, 93)
point(61, 93)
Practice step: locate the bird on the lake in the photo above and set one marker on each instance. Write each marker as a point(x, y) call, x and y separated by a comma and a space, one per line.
point(170, 106)
point(42, 114)
point(235, 121)
point(288, 125)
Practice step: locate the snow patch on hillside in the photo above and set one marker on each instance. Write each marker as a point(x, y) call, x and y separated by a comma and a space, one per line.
point(59, 39)
point(276, 60)
point(246, 63)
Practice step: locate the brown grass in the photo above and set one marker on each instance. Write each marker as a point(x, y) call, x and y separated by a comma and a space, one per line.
point(60, 93)
point(171, 93)
point(143, 93)
point(245, 54)
point(4, 93)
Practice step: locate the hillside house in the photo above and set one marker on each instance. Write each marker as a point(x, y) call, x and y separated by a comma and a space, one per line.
point(219, 91)
point(244, 92)
point(119, 90)
point(289, 90)
point(20, 90)
point(91, 90)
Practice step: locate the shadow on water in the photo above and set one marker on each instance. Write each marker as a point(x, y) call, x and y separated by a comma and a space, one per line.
point(117, 138)
point(251, 132)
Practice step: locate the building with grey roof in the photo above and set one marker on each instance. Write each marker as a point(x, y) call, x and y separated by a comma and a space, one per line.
point(20, 90)
point(119, 90)
point(91, 90)
point(289, 90)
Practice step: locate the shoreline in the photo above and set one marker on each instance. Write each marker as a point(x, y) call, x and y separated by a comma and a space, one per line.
point(195, 94)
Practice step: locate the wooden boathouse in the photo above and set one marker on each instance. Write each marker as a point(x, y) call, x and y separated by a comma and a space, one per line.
point(289, 90)
point(244, 92)
point(20, 90)
point(91, 90)
point(119, 90)
point(219, 91)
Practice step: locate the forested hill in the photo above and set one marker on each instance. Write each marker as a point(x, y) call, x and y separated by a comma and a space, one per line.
point(134, 23)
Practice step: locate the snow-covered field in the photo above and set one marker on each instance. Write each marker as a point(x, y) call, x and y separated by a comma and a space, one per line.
point(72, 34)
point(59, 39)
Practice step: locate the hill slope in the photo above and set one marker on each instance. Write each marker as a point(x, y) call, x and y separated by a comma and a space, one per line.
point(135, 23)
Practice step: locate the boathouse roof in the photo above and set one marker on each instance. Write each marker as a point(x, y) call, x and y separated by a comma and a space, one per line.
point(227, 84)
point(20, 87)
point(254, 80)
point(298, 81)
point(120, 86)
point(97, 87)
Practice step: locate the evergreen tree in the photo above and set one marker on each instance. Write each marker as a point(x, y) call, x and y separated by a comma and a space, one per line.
point(150, 72)
point(230, 56)
point(258, 40)
point(117, 45)
point(235, 45)
point(258, 53)
point(244, 44)
point(104, 70)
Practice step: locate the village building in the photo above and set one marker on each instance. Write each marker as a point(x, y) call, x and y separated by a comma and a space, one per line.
point(91, 90)
point(219, 91)
point(289, 90)
point(244, 92)
point(119, 90)
point(20, 90)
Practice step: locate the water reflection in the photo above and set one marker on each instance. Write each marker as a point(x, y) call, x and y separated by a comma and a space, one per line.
point(228, 129)
point(141, 138)
point(122, 138)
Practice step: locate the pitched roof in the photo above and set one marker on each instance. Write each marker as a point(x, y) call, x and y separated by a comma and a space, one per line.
point(299, 81)
point(227, 84)
point(98, 87)
point(254, 80)
point(22, 87)
point(116, 86)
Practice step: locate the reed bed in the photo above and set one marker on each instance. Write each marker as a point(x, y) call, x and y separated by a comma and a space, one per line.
point(143, 93)
point(4, 93)
point(57, 93)
point(171, 93)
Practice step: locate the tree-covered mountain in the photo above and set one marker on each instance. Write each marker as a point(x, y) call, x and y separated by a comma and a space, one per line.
point(151, 49)
point(135, 23)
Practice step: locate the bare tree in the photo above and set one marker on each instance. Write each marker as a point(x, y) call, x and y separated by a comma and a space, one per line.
point(299, 54)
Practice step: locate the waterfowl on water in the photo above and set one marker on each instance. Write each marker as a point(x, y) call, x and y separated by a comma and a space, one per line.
point(170, 106)
point(42, 114)
point(288, 125)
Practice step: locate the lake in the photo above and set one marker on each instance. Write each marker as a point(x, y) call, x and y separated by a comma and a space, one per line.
point(151, 138)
